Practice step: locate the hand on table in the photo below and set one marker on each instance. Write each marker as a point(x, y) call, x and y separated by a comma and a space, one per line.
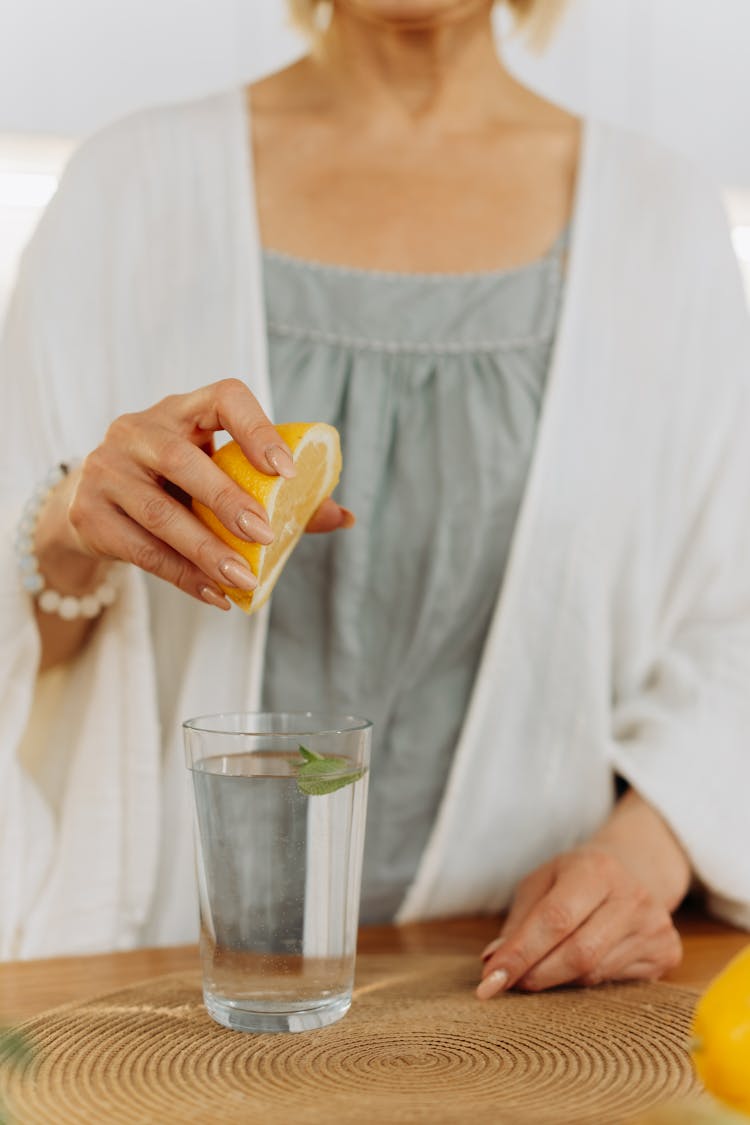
point(581, 918)
point(125, 500)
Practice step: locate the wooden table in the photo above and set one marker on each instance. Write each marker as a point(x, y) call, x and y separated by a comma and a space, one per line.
point(30, 987)
point(416, 1048)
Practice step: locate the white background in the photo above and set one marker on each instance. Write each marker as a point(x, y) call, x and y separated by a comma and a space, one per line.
point(677, 69)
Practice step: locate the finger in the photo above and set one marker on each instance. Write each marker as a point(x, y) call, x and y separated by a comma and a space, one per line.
point(187, 469)
point(570, 901)
point(640, 956)
point(651, 968)
point(526, 896)
point(229, 405)
point(330, 516)
point(186, 466)
point(121, 538)
point(528, 893)
point(585, 952)
point(170, 523)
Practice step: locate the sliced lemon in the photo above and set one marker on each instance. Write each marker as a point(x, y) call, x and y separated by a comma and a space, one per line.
point(289, 504)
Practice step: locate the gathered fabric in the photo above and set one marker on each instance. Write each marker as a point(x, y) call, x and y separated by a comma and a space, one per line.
point(435, 383)
point(619, 641)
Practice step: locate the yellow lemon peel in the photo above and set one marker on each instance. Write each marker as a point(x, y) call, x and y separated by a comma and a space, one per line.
point(289, 503)
point(721, 1034)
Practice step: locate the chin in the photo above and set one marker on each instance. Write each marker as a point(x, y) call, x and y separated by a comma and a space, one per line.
point(411, 11)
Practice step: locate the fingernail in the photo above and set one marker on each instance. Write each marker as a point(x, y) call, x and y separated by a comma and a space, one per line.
point(237, 574)
point(492, 984)
point(280, 460)
point(491, 948)
point(214, 597)
point(348, 519)
point(255, 528)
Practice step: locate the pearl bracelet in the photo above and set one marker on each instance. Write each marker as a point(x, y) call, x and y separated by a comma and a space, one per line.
point(67, 606)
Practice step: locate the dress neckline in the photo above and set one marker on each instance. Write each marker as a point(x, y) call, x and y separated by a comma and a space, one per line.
point(555, 254)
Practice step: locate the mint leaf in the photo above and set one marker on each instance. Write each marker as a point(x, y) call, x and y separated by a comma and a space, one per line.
point(320, 774)
point(312, 756)
point(319, 787)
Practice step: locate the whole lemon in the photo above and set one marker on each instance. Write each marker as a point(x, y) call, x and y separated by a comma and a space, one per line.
point(721, 1034)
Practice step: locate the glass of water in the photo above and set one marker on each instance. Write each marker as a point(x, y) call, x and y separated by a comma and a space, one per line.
point(280, 803)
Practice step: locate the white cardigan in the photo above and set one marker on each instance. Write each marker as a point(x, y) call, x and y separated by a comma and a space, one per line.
point(621, 639)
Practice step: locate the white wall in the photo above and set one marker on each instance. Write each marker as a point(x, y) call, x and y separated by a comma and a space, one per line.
point(676, 69)
point(69, 66)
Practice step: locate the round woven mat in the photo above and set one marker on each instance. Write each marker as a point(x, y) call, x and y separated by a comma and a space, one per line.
point(415, 1047)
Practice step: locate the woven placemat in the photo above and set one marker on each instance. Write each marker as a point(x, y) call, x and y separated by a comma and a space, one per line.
point(415, 1047)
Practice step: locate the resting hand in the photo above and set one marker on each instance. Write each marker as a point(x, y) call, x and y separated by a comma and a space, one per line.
point(124, 502)
point(600, 912)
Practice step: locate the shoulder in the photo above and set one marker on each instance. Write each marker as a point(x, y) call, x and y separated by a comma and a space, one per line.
point(136, 199)
point(140, 175)
point(654, 181)
point(657, 231)
point(150, 140)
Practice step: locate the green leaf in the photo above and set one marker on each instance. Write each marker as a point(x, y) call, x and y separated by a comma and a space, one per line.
point(319, 787)
point(320, 774)
point(310, 755)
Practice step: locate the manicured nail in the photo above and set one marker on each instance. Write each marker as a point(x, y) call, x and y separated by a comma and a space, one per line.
point(491, 948)
point(492, 984)
point(280, 460)
point(238, 575)
point(214, 597)
point(348, 519)
point(255, 528)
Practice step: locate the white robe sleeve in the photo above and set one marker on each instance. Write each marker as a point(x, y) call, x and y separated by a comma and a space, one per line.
point(76, 862)
point(683, 738)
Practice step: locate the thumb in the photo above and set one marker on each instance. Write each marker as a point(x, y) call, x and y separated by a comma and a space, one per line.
point(330, 516)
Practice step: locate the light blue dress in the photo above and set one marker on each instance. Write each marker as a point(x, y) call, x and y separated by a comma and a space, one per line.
point(435, 383)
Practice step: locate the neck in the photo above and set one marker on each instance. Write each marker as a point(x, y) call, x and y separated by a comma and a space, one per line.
point(396, 70)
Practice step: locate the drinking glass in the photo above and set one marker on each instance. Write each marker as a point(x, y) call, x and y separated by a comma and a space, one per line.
point(280, 801)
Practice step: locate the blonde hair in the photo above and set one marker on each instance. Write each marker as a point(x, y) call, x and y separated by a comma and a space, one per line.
point(535, 18)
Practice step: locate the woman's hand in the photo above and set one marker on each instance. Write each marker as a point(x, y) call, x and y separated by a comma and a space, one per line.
point(601, 912)
point(580, 919)
point(126, 501)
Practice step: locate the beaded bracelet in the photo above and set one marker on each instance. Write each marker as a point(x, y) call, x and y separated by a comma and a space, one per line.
point(67, 606)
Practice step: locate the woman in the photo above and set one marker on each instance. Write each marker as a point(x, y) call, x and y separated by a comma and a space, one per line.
point(484, 252)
